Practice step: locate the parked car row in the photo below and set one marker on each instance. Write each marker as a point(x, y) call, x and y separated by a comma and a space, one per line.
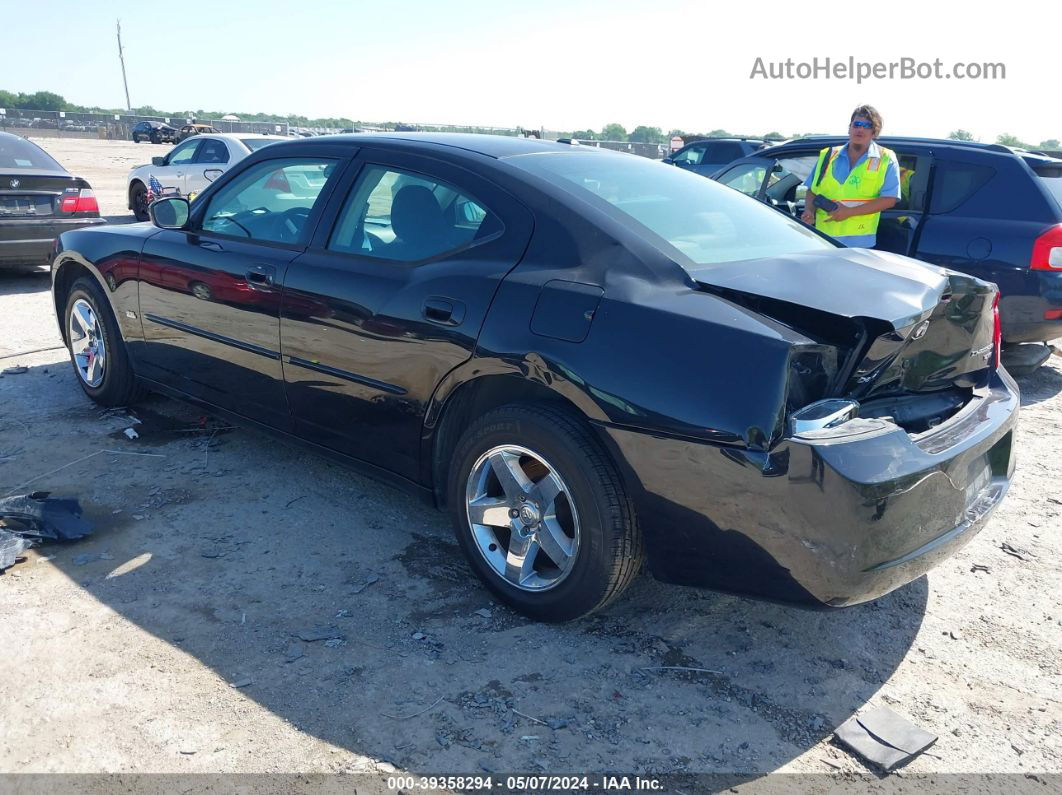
point(591, 360)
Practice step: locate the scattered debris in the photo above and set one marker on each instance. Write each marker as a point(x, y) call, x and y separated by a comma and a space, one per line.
point(372, 578)
point(529, 737)
point(530, 718)
point(680, 668)
point(292, 502)
point(1017, 552)
point(131, 434)
point(483, 612)
point(240, 682)
point(78, 461)
point(186, 751)
point(319, 633)
point(294, 652)
point(17, 369)
point(980, 567)
point(334, 643)
point(415, 714)
point(419, 636)
point(884, 738)
point(81, 560)
point(208, 552)
point(30, 519)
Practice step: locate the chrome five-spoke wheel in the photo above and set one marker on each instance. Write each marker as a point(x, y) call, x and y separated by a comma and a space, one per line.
point(87, 343)
point(522, 517)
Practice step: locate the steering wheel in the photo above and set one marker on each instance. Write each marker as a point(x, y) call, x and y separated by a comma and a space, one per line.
point(290, 223)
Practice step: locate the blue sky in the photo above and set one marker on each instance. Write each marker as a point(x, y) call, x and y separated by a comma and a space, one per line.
point(558, 65)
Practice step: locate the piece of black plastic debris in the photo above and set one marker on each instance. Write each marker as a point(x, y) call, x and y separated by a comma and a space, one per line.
point(17, 369)
point(884, 738)
point(27, 520)
point(319, 633)
point(42, 517)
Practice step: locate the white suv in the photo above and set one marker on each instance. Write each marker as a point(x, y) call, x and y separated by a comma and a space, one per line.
point(189, 167)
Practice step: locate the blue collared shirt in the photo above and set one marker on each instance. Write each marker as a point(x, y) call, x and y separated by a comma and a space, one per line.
point(842, 168)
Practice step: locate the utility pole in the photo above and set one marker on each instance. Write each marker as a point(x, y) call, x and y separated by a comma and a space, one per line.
point(128, 104)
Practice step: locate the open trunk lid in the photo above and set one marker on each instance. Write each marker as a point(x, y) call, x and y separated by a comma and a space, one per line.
point(892, 326)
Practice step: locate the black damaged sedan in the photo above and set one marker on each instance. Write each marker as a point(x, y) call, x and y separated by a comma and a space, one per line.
point(591, 360)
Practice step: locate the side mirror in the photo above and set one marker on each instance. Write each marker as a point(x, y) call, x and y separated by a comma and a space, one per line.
point(169, 213)
point(669, 160)
point(158, 161)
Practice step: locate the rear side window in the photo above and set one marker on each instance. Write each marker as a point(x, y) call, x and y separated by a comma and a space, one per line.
point(212, 151)
point(957, 182)
point(1051, 178)
point(723, 152)
point(407, 217)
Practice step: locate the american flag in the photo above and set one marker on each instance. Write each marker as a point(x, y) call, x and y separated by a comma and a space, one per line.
point(154, 190)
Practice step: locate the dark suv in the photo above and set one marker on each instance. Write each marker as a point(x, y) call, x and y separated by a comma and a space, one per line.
point(155, 131)
point(984, 209)
point(708, 155)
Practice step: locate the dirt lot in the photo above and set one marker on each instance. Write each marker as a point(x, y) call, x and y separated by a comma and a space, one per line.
point(217, 547)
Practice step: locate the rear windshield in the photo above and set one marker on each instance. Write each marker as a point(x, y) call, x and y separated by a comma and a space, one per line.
point(1053, 183)
point(684, 213)
point(254, 144)
point(17, 152)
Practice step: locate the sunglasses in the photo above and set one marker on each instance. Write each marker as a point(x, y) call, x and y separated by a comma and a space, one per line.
point(863, 125)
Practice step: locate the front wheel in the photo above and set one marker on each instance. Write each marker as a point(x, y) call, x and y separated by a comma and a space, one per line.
point(138, 199)
point(97, 349)
point(541, 514)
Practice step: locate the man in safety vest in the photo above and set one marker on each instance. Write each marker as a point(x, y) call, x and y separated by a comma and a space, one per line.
point(862, 179)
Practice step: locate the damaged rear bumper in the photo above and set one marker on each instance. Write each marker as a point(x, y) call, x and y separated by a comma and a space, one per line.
point(828, 518)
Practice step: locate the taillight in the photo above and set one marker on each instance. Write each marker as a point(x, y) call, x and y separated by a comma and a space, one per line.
point(997, 333)
point(80, 201)
point(1047, 251)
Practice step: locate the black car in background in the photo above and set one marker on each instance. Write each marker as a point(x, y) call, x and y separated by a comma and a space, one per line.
point(155, 131)
point(38, 200)
point(590, 359)
point(707, 156)
point(983, 209)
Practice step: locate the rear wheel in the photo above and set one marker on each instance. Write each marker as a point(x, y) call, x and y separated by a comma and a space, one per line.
point(97, 350)
point(138, 200)
point(541, 514)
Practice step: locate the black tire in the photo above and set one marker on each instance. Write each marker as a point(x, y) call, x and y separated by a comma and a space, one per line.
point(136, 138)
point(119, 386)
point(138, 200)
point(609, 553)
point(155, 139)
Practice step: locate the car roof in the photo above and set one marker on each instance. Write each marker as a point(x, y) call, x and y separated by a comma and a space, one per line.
point(901, 140)
point(497, 146)
point(242, 136)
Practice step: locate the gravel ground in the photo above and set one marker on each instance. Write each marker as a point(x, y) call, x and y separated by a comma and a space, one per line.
point(178, 638)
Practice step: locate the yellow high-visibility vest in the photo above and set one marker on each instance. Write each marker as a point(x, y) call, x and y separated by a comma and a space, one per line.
point(863, 184)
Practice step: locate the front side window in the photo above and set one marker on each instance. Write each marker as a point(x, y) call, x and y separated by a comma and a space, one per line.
point(685, 215)
point(746, 178)
point(407, 217)
point(271, 201)
point(691, 156)
point(182, 154)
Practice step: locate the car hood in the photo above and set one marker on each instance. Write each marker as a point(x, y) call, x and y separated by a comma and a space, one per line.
point(850, 282)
